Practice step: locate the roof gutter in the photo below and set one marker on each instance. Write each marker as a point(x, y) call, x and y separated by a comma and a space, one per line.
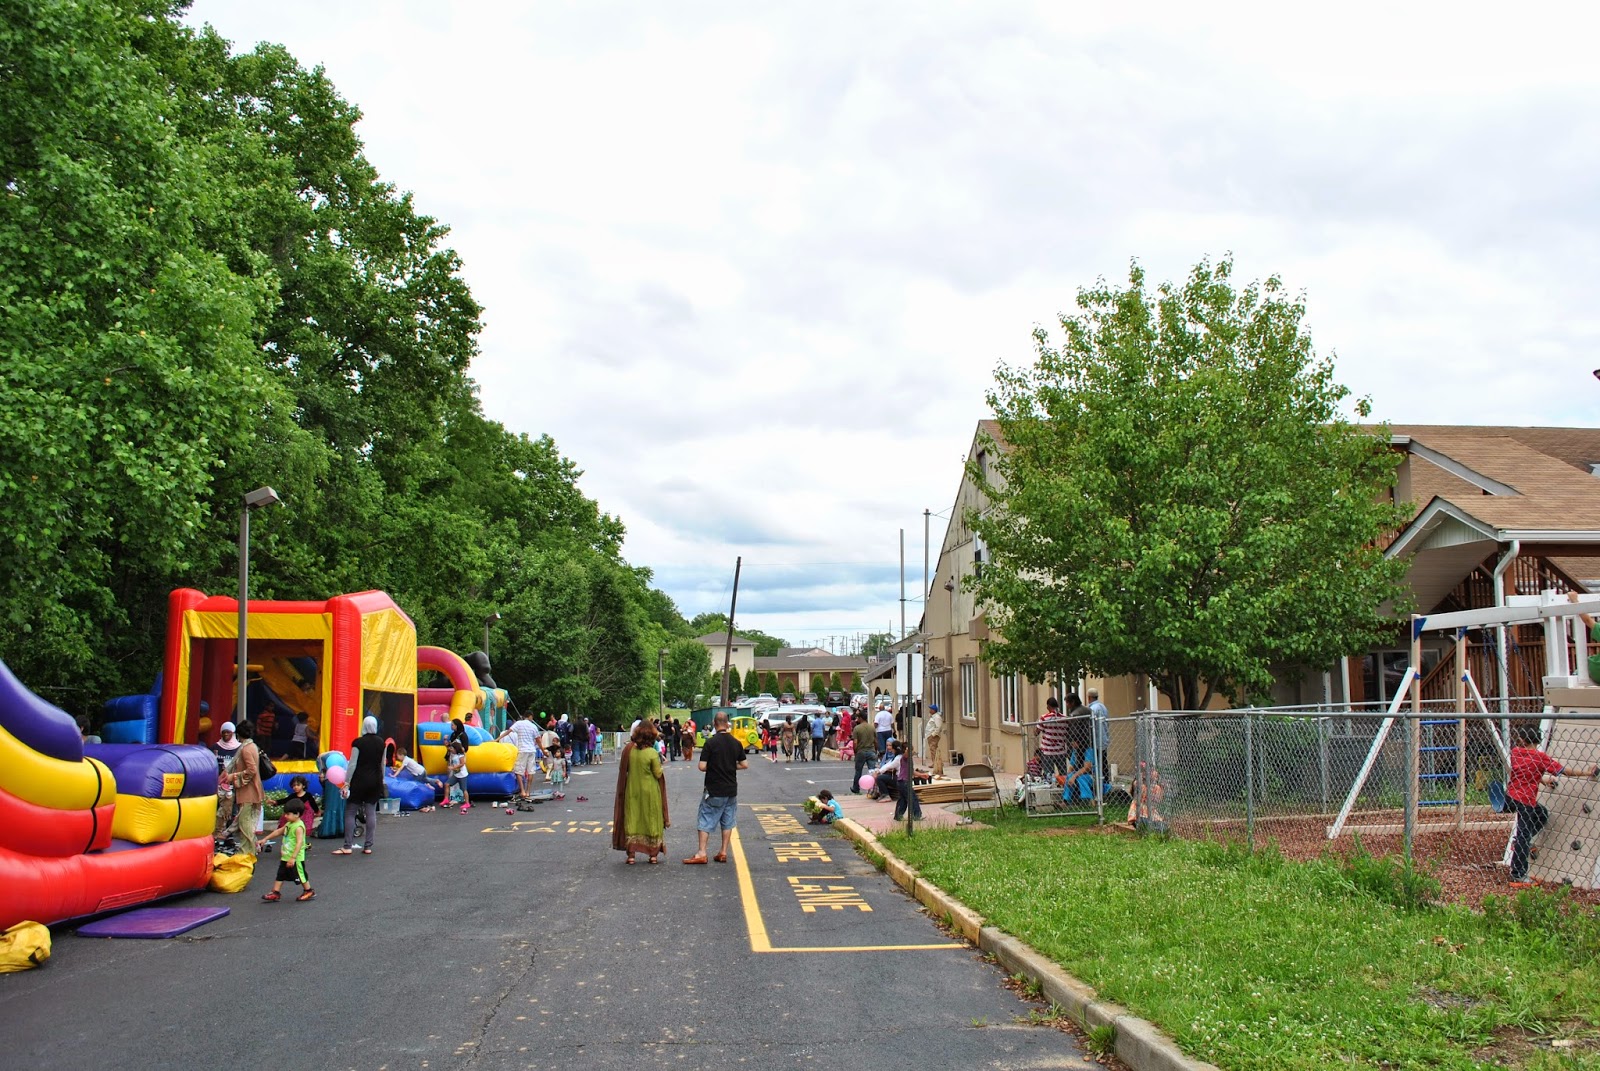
point(1550, 535)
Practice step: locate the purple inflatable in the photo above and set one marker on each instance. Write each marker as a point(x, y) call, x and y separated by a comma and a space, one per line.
point(143, 769)
point(40, 725)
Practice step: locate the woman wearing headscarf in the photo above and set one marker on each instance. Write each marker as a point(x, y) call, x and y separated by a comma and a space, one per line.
point(247, 792)
point(639, 815)
point(363, 785)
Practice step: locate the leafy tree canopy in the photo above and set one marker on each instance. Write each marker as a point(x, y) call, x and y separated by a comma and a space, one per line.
point(877, 644)
point(205, 286)
point(1177, 494)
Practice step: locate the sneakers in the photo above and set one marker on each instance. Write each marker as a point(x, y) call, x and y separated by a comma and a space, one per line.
point(309, 894)
point(271, 897)
point(465, 807)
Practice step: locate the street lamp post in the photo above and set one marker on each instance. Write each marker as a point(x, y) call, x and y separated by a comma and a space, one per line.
point(661, 675)
point(261, 496)
point(491, 619)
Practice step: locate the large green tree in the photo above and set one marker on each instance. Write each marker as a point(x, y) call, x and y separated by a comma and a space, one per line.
point(1178, 494)
point(205, 285)
point(128, 367)
point(687, 663)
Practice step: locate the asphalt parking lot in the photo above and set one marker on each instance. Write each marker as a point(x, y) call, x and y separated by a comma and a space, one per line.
point(490, 940)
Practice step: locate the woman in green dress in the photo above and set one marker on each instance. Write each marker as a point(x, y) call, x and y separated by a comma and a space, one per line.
point(639, 815)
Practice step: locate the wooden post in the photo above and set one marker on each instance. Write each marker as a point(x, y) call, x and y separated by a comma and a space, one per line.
point(727, 646)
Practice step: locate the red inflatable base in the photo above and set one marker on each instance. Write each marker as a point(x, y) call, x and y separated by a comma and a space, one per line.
point(45, 890)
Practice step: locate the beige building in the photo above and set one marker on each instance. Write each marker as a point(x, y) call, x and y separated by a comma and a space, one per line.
point(743, 655)
point(811, 672)
point(986, 714)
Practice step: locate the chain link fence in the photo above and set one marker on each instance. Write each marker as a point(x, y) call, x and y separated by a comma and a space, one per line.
point(1428, 786)
point(1065, 768)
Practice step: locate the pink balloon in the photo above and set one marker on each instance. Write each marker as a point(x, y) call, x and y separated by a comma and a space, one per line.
point(335, 776)
point(866, 782)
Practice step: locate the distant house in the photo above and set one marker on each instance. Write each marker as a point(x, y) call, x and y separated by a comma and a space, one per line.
point(1501, 512)
point(743, 654)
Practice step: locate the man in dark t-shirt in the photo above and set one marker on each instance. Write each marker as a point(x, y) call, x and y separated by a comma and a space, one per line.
point(720, 760)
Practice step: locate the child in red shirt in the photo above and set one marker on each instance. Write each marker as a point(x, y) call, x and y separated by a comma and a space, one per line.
point(1530, 768)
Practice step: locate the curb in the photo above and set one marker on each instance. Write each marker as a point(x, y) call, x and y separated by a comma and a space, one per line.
point(1139, 1043)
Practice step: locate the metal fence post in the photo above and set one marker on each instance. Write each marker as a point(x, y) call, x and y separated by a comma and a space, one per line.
point(1249, 784)
point(1411, 783)
point(1322, 758)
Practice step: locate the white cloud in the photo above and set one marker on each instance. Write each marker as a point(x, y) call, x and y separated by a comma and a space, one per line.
point(753, 267)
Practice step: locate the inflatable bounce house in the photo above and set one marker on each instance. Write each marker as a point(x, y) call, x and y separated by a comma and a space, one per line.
point(86, 829)
point(335, 662)
point(489, 763)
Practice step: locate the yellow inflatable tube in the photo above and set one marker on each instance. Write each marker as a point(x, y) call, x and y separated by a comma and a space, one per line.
point(148, 821)
point(492, 757)
point(54, 783)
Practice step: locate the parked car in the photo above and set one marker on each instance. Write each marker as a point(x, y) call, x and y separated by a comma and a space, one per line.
point(836, 699)
point(809, 697)
point(787, 698)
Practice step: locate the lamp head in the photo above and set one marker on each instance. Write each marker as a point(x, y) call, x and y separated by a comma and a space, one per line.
point(261, 496)
point(491, 619)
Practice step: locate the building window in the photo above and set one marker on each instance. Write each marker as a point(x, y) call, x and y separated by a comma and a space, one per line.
point(1010, 692)
point(969, 689)
point(936, 688)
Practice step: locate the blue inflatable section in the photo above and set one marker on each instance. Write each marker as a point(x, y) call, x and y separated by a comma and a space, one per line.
point(413, 795)
point(132, 719)
point(492, 785)
point(281, 783)
point(435, 733)
point(123, 732)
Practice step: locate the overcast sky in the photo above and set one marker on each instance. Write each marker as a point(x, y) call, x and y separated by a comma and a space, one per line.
point(753, 265)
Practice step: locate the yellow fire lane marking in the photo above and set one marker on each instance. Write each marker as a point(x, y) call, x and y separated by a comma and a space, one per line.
point(756, 925)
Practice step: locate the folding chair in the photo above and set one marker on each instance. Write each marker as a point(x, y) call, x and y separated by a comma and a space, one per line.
point(980, 772)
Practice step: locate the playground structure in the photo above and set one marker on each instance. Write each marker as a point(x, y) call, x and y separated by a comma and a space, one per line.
point(1572, 852)
point(336, 661)
point(90, 829)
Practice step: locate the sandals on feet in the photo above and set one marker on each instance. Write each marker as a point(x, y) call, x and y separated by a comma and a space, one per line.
point(366, 851)
point(343, 851)
point(720, 857)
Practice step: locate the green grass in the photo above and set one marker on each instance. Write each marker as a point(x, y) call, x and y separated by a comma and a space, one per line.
point(1257, 963)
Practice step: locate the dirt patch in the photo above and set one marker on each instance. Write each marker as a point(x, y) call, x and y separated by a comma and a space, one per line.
point(1514, 1046)
point(1467, 864)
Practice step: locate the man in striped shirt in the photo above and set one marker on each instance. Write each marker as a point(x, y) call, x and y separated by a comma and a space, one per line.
point(1053, 738)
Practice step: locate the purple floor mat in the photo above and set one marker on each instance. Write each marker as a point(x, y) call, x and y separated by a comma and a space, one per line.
point(153, 922)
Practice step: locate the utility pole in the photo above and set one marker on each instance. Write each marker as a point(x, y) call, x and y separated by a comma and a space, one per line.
point(926, 517)
point(727, 647)
point(902, 584)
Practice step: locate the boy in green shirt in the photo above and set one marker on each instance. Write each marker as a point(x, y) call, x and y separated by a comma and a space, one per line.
point(292, 863)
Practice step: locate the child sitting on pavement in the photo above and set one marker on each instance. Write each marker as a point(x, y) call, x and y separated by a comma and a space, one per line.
point(827, 810)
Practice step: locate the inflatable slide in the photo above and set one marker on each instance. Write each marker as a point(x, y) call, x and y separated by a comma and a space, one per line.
point(71, 843)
